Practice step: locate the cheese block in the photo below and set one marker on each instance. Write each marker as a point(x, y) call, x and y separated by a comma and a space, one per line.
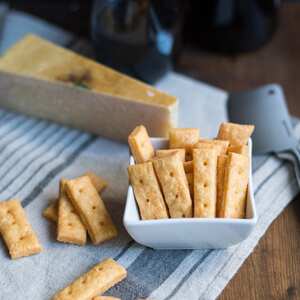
point(48, 81)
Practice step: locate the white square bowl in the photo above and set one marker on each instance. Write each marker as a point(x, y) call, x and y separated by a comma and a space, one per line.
point(188, 233)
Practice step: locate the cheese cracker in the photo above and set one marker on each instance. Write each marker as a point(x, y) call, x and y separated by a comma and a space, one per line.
point(91, 209)
point(184, 138)
point(235, 186)
point(16, 231)
point(205, 182)
point(69, 226)
point(96, 281)
point(166, 152)
point(222, 161)
point(205, 145)
point(173, 181)
point(236, 134)
point(140, 144)
point(50, 212)
point(99, 183)
point(188, 166)
point(221, 144)
point(190, 179)
point(147, 192)
point(240, 149)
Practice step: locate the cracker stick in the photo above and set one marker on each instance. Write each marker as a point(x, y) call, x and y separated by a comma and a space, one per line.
point(69, 226)
point(16, 231)
point(96, 281)
point(140, 144)
point(184, 138)
point(91, 209)
point(50, 212)
point(204, 145)
point(172, 178)
point(99, 183)
point(105, 298)
point(240, 149)
point(221, 145)
point(147, 192)
point(235, 186)
point(205, 182)
point(166, 152)
point(236, 134)
point(222, 161)
point(188, 166)
point(190, 179)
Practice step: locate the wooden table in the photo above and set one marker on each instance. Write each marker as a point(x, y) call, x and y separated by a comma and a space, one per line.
point(273, 270)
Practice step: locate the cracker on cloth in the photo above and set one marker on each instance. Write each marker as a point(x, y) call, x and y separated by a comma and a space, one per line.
point(147, 192)
point(69, 226)
point(51, 211)
point(91, 209)
point(173, 181)
point(16, 231)
point(96, 281)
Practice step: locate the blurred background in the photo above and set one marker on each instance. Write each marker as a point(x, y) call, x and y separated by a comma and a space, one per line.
point(145, 38)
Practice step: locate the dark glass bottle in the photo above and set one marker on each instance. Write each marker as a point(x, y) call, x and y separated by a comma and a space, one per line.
point(137, 37)
point(231, 26)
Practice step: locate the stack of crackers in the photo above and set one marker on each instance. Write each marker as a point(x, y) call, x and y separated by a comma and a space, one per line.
point(80, 210)
point(195, 177)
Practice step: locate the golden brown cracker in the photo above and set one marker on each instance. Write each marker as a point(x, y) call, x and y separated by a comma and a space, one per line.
point(190, 179)
point(222, 162)
point(99, 183)
point(221, 144)
point(50, 212)
point(184, 138)
point(96, 281)
point(235, 186)
point(205, 182)
point(147, 192)
point(240, 149)
point(140, 144)
point(69, 226)
point(188, 166)
point(16, 231)
point(166, 152)
point(91, 209)
point(173, 181)
point(236, 134)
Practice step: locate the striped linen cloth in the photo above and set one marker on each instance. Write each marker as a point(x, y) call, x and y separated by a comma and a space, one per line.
point(35, 154)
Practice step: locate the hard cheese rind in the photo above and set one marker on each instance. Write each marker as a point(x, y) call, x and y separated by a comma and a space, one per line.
point(38, 78)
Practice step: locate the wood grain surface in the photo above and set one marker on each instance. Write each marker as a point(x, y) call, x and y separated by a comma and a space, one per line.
point(273, 270)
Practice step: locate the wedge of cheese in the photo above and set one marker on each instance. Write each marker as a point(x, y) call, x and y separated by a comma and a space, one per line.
point(44, 80)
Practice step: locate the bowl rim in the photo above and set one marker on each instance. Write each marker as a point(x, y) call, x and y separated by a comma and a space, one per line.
point(170, 221)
